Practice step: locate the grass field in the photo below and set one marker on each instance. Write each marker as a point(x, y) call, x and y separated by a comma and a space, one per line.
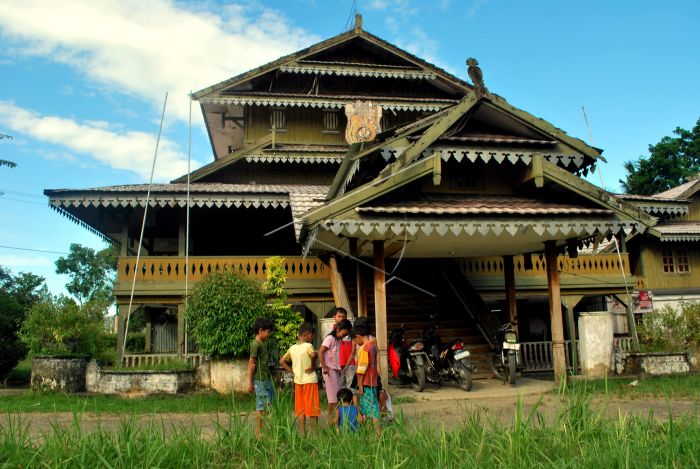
point(671, 387)
point(578, 437)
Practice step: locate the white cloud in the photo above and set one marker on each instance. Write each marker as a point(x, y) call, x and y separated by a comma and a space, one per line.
point(475, 7)
point(146, 48)
point(126, 150)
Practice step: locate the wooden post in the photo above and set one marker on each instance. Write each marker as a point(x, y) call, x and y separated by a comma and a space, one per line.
point(570, 303)
point(122, 313)
point(124, 238)
point(181, 234)
point(147, 334)
point(509, 274)
point(180, 329)
point(340, 294)
point(360, 281)
point(553, 289)
point(380, 308)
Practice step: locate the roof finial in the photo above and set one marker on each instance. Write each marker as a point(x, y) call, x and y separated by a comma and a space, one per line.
point(477, 77)
point(358, 23)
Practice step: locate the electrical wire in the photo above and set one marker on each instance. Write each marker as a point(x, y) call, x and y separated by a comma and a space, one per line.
point(33, 250)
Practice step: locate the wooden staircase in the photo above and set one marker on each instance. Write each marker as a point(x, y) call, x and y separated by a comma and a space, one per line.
point(422, 292)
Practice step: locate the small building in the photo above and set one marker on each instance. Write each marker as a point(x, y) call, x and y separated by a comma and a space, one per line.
point(391, 187)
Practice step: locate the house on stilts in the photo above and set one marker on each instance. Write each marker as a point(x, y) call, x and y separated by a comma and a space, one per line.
point(392, 188)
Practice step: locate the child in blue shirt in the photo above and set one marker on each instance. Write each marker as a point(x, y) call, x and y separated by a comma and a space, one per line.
point(346, 414)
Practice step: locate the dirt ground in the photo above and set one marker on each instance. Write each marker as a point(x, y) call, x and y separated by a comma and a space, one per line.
point(448, 406)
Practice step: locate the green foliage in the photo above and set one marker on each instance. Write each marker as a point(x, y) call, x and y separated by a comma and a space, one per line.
point(17, 293)
point(91, 273)
point(135, 342)
point(671, 161)
point(9, 164)
point(670, 330)
point(221, 311)
point(286, 320)
point(59, 326)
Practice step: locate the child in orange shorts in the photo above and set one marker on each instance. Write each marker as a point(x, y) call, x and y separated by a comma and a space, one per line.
point(303, 359)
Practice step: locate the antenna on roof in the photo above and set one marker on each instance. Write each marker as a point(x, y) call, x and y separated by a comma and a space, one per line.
point(353, 10)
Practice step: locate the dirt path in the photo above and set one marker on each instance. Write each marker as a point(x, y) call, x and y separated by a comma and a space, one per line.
point(447, 406)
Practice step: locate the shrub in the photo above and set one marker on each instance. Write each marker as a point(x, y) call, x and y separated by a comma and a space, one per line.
point(221, 311)
point(669, 329)
point(285, 320)
point(59, 326)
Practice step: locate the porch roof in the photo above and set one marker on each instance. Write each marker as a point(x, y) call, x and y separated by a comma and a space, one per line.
point(685, 231)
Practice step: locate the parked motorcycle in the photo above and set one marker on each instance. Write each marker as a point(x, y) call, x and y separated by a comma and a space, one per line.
point(407, 360)
point(505, 361)
point(449, 361)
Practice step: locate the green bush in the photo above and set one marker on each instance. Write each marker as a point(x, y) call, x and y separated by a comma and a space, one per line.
point(58, 326)
point(221, 311)
point(669, 329)
point(285, 320)
point(135, 342)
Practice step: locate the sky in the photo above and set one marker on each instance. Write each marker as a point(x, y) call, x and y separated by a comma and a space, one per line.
point(82, 83)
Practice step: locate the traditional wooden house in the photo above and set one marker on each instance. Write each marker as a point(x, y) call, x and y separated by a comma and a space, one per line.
point(391, 187)
point(666, 259)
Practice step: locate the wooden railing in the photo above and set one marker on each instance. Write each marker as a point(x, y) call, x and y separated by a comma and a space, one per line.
point(537, 356)
point(587, 266)
point(142, 359)
point(172, 269)
point(624, 343)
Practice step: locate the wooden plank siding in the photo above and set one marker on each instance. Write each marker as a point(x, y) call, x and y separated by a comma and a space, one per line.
point(652, 275)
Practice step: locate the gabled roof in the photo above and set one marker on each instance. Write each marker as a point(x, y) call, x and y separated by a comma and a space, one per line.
point(683, 191)
point(315, 49)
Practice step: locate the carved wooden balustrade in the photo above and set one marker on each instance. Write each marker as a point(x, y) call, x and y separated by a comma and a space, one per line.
point(172, 269)
point(599, 270)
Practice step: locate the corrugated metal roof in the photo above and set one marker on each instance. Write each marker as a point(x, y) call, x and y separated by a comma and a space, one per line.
point(505, 205)
point(679, 228)
point(651, 198)
point(200, 187)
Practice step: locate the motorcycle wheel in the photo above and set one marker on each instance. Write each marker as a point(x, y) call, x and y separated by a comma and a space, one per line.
point(497, 366)
point(511, 369)
point(465, 377)
point(418, 381)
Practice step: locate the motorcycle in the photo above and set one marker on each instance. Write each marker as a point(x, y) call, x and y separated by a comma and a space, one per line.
point(505, 361)
point(449, 361)
point(407, 360)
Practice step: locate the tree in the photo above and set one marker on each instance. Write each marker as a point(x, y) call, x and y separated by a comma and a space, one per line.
point(285, 320)
point(17, 294)
point(670, 162)
point(7, 162)
point(91, 273)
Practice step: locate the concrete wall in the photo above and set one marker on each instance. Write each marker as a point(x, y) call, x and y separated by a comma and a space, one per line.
point(226, 376)
point(596, 343)
point(138, 382)
point(654, 364)
point(58, 374)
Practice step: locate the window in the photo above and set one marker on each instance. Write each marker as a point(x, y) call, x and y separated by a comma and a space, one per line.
point(331, 122)
point(278, 120)
point(675, 261)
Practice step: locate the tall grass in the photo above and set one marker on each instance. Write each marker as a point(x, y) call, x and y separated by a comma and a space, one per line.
point(577, 437)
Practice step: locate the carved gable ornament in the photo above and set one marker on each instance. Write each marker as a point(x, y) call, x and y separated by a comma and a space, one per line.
point(363, 121)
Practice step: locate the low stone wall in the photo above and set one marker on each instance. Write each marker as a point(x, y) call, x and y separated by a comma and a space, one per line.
point(58, 374)
point(651, 363)
point(138, 382)
point(227, 376)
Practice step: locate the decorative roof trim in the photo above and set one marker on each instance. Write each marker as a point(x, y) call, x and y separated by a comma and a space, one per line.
point(173, 200)
point(378, 72)
point(483, 227)
point(337, 103)
point(680, 237)
point(473, 154)
point(653, 209)
point(286, 158)
point(82, 224)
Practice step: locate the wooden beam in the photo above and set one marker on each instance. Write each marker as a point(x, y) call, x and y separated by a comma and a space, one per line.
point(122, 313)
point(553, 289)
point(534, 172)
point(360, 280)
point(180, 329)
point(509, 278)
point(570, 302)
point(340, 294)
point(380, 308)
point(437, 170)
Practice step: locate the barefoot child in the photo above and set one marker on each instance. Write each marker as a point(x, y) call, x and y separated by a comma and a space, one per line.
point(303, 357)
point(346, 414)
point(367, 377)
point(329, 357)
point(259, 377)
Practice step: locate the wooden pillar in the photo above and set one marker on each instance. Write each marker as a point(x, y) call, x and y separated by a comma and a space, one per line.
point(148, 331)
point(122, 314)
point(180, 329)
point(340, 294)
point(509, 274)
point(380, 326)
point(570, 303)
point(360, 280)
point(553, 288)
point(124, 240)
point(182, 234)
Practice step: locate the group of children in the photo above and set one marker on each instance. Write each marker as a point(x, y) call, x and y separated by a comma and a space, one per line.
point(349, 362)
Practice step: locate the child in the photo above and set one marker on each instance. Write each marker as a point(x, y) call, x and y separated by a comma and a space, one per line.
point(367, 377)
point(259, 377)
point(329, 357)
point(347, 352)
point(346, 414)
point(303, 357)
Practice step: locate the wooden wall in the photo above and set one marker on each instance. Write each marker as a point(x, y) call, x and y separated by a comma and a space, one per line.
point(653, 275)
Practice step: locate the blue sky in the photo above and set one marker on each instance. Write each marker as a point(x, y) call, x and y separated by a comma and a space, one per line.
point(82, 83)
